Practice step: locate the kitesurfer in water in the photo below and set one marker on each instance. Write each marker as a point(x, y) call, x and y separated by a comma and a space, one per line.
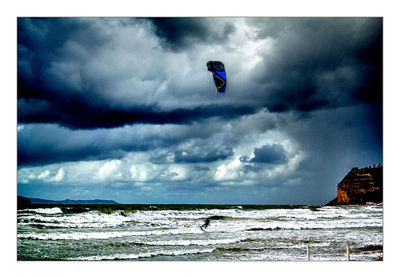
point(206, 223)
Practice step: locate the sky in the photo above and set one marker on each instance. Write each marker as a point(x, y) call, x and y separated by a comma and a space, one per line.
point(125, 109)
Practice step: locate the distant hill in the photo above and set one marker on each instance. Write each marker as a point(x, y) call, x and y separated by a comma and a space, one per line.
point(67, 201)
point(23, 202)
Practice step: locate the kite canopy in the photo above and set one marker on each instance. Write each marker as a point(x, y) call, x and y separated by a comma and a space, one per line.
point(218, 70)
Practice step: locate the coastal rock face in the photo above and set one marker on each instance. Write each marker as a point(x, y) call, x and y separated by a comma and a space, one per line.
point(360, 186)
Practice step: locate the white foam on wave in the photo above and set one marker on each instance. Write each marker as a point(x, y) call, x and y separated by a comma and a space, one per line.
point(293, 224)
point(55, 210)
point(172, 218)
point(103, 235)
point(91, 219)
point(194, 242)
point(145, 255)
point(72, 225)
point(298, 213)
point(242, 220)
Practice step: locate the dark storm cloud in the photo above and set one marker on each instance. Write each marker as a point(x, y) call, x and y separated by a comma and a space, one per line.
point(41, 144)
point(47, 144)
point(320, 62)
point(48, 34)
point(134, 90)
point(196, 157)
point(314, 63)
point(56, 84)
point(271, 154)
point(80, 114)
point(179, 33)
point(193, 156)
point(336, 141)
point(39, 44)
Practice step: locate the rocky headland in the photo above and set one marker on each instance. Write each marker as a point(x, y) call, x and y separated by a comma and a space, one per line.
point(360, 186)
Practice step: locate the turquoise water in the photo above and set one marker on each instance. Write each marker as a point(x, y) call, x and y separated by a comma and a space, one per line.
point(171, 232)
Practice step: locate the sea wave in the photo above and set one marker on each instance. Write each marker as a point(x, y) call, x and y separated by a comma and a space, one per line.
point(144, 255)
point(91, 219)
point(55, 210)
point(194, 242)
point(219, 223)
point(103, 235)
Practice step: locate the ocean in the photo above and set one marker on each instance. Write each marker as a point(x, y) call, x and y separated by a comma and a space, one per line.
point(172, 233)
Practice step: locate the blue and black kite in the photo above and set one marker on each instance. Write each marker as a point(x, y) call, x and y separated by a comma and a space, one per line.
point(218, 71)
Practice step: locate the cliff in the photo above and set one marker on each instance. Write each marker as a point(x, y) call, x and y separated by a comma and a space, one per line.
point(360, 186)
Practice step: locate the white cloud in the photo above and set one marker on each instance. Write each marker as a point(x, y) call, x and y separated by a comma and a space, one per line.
point(229, 171)
point(27, 175)
point(109, 171)
point(60, 175)
point(142, 172)
point(44, 175)
point(234, 172)
point(247, 46)
point(177, 172)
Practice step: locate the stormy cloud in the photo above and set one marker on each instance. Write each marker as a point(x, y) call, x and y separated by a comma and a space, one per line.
point(320, 63)
point(194, 155)
point(179, 33)
point(272, 154)
point(126, 105)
